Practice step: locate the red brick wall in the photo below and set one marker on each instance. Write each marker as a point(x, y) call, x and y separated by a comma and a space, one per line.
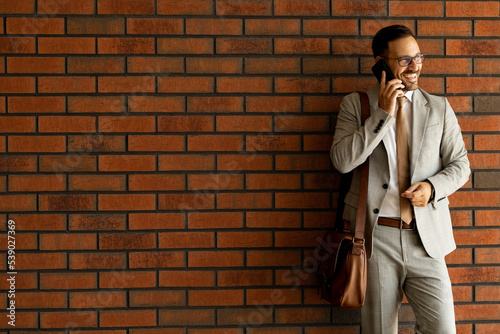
point(166, 161)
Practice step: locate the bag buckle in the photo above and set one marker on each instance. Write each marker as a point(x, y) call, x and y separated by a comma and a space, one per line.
point(359, 241)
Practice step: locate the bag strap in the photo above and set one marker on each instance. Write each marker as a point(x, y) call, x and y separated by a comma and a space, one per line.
point(359, 234)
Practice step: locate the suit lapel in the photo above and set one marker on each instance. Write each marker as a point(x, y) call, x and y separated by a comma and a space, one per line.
point(420, 116)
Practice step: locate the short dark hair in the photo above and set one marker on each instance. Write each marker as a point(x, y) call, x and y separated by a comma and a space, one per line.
point(388, 34)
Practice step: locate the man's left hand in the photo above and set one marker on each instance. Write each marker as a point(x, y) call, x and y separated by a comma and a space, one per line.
point(419, 193)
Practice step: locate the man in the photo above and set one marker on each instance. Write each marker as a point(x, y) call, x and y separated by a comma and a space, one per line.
point(408, 230)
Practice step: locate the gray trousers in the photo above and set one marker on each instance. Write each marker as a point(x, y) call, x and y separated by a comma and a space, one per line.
point(400, 264)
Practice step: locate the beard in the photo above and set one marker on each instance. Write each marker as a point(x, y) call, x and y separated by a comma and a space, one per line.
point(410, 79)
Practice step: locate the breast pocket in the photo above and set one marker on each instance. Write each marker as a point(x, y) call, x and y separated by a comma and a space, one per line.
point(433, 130)
point(431, 142)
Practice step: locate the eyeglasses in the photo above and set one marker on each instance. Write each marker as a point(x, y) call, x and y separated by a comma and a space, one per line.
point(405, 61)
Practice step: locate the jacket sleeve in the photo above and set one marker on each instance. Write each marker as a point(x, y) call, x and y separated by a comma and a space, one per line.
point(455, 165)
point(353, 143)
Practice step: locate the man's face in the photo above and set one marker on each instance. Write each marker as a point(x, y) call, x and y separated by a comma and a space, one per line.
point(404, 47)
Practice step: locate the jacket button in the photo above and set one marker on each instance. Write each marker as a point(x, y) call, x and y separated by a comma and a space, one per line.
point(375, 211)
point(376, 130)
point(385, 186)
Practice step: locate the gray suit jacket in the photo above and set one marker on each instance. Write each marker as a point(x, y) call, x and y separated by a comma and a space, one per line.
point(437, 154)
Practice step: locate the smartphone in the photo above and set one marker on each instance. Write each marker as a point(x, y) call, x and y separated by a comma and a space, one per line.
point(380, 66)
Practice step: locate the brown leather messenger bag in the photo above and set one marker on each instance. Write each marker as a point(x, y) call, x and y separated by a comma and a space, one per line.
point(341, 272)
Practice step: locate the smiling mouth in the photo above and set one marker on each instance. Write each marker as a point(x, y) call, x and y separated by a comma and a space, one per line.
point(411, 77)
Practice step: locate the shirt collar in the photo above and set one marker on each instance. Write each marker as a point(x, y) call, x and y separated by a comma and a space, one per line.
point(409, 95)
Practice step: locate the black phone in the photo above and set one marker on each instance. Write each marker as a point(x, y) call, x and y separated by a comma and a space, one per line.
point(380, 66)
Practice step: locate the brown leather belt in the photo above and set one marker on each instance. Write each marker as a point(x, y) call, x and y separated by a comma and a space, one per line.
point(396, 223)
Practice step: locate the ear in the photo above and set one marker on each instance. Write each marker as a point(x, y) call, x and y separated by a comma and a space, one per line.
point(377, 58)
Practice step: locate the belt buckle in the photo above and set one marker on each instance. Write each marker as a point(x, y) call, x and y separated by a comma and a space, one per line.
point(410, 226)
point(402, 224)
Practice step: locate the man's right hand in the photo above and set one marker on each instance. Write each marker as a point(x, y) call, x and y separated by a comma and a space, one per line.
point(388, 94)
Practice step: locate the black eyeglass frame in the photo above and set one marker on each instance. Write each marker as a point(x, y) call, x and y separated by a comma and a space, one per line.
point(419, 59)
